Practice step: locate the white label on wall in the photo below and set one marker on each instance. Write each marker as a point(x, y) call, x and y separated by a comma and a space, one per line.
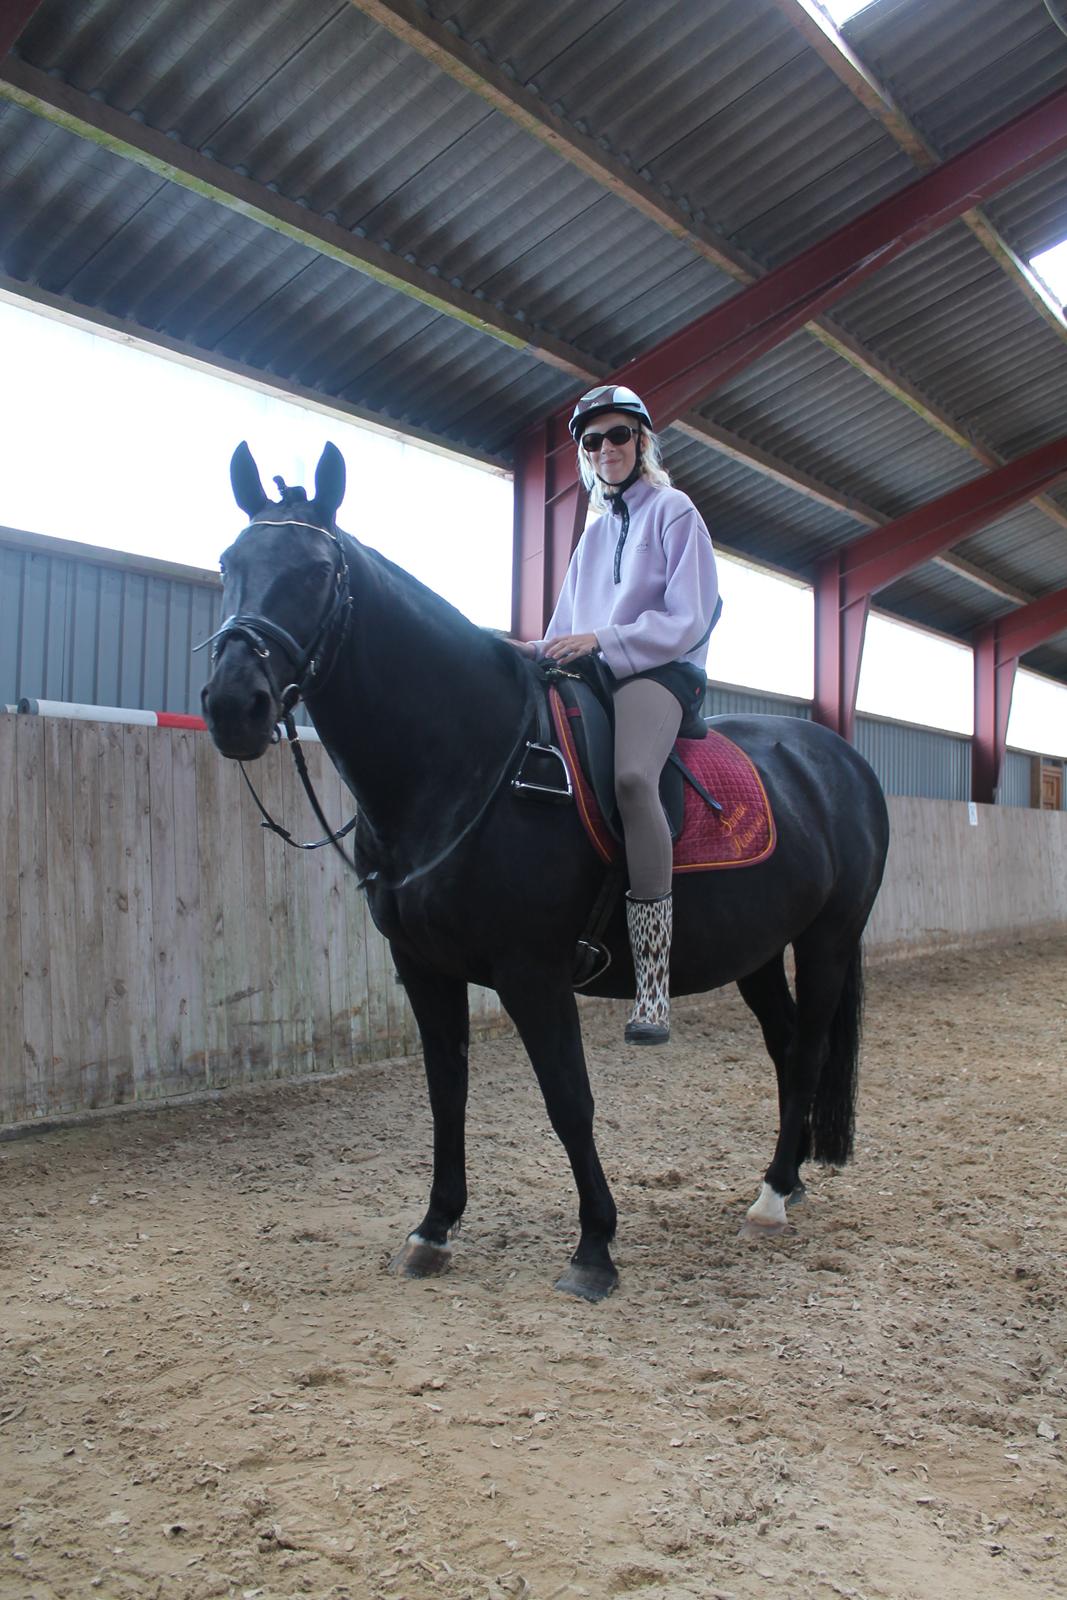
point(972, 813)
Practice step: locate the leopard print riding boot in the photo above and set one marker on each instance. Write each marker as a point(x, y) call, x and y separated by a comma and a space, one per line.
point(649, 924)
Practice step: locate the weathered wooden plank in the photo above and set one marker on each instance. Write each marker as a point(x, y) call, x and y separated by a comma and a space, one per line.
point(258, 1053)
point(310, 940)
point(87, 748)
point(12, 1061)
point(168, 978)
point(213, 848)
point(338, 883)
point(33, 917)
point(65, 1088)
point(188, 964)
point(137, 813)
point(240, 978)
point(119, 951)
point(268, 778)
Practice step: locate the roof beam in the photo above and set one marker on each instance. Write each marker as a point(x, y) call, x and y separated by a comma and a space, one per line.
point(700, 358)
point(451, 54)
point(523, 105)
point(68, 108)
point(1019, 632)
point(830, 45)
point(13, 20)
point(878, 558)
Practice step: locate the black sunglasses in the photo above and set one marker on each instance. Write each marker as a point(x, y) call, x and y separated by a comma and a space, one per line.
point(620, 434)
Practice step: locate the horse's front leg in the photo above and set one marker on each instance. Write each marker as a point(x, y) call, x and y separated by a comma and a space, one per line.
point(543, 1009)
point(440, 1007)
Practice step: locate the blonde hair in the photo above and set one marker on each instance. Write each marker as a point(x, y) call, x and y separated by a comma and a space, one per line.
point(651, 463)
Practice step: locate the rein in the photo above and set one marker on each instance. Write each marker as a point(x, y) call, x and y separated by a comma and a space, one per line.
point(251, 627)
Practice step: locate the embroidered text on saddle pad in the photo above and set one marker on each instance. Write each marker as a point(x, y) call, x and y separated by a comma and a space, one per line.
point(739, 836)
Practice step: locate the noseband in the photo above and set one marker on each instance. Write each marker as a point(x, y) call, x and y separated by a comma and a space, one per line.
point(304, 663)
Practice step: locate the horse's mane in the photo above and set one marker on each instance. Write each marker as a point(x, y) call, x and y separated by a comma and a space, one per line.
point(418, 595)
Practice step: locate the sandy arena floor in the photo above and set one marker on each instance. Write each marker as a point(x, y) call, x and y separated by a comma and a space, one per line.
point(209, 1385)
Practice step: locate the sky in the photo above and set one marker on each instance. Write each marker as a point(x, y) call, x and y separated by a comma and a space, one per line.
point(109, 444)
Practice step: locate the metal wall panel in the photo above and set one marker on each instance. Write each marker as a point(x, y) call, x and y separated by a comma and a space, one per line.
point(720, 701)
point(114, 631)
point(916, 761)
point(1015, 781)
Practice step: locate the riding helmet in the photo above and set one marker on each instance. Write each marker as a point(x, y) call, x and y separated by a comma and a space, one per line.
point(607, 397)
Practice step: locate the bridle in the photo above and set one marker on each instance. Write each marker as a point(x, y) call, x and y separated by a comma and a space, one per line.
point(309, 668)
point(312, 666)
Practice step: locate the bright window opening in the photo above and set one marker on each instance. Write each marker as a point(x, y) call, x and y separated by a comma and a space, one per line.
point(840, 11)
point(1051, 268)
point(916, 676)
point(1038, 718)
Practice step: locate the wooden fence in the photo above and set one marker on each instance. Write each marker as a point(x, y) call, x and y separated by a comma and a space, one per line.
point(157, 941)
point(951, 880)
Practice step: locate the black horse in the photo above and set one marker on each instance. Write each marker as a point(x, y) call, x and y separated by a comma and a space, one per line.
point(424, 715)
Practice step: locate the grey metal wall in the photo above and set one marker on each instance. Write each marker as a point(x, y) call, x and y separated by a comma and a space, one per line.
point(721, 700)
point(1015, 782)
point(100, 627)
point(916, 761)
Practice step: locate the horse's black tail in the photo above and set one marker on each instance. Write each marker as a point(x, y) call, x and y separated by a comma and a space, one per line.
point(833, 1115)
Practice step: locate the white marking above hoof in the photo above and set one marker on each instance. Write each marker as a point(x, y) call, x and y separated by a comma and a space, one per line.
point(767, 1211)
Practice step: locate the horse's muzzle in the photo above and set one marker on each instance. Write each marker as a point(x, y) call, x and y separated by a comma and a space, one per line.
point(240, 713)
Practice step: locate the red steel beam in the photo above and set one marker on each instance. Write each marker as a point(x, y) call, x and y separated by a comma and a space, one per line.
point(846, 580)
point(688, 366)
point(997, 648)
point(14, 17)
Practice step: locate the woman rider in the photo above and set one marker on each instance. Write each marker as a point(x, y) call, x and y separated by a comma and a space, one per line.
point(642, 592)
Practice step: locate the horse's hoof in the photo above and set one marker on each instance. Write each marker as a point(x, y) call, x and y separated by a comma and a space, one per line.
point(645, 1033)
point(588, 1283)
point(754, 1229)
point(766, 1216)
point(420, 1258)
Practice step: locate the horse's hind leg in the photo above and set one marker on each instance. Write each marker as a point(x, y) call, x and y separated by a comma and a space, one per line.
point(544, 1011)
point(440, 1007)
point(816, 1066)
point(767, 995)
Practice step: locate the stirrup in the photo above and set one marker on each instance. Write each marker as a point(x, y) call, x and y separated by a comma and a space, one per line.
point(543, 774)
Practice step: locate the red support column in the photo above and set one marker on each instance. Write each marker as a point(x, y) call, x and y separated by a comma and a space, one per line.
point(997, 649)
point(994, 683)
point(550, 508)
point(840, 627)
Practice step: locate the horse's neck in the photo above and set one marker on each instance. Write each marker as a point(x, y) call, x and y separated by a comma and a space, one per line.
point(421, 709)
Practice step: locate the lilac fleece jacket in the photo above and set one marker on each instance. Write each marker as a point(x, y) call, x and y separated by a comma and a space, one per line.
point(661, 608)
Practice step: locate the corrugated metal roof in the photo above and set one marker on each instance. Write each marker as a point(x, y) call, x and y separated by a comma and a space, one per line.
point(721, 107)
point(960, 68)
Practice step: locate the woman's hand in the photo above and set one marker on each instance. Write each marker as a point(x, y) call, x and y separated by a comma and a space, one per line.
point(571, 647)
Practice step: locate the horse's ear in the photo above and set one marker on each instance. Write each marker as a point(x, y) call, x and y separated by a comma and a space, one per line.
point(248, 491)
point(330, 480)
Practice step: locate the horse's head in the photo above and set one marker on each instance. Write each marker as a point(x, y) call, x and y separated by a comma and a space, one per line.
point(285, 589)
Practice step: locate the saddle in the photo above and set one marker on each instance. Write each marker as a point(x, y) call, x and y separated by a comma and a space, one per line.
point(571, 759)
point(582, 715)
point(713, 798)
